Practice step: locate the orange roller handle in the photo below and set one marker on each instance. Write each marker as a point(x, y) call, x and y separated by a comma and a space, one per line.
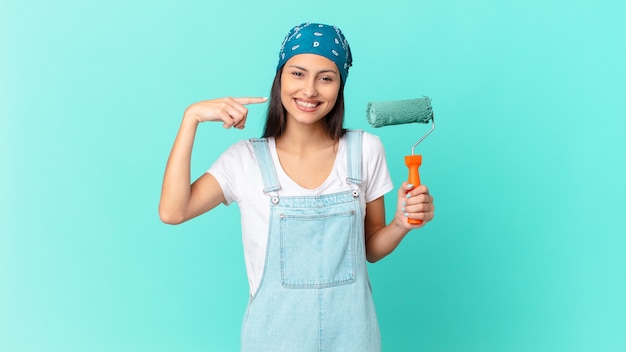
point(413, 162)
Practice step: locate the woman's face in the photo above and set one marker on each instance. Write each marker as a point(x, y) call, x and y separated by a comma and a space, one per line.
point(309, 88)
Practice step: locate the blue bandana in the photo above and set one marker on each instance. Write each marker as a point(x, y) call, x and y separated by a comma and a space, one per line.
point(320, 39)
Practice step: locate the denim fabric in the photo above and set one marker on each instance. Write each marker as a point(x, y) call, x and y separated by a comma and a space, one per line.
point(315, 293)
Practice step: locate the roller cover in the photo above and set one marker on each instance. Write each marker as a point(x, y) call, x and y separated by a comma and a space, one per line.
point(397, 112)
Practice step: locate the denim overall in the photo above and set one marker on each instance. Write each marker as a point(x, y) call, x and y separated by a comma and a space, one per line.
point(315, 293)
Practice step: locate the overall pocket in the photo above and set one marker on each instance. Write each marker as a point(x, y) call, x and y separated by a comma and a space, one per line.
point(317, 250)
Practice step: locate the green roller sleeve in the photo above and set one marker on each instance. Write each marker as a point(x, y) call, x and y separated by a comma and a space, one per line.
point(397, 112)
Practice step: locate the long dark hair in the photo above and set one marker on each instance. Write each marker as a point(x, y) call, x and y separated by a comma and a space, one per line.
point(277, 115)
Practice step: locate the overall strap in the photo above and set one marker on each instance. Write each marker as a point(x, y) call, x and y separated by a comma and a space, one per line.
point(264, 158)
point(355, 143)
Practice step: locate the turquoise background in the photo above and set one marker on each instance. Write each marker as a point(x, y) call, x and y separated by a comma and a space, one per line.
point(527, 165)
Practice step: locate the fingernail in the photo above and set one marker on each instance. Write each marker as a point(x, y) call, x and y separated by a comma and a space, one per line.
point(403, 204)
point(403, 210)
point(406, 215)
point(408, 195)
point(410, 185)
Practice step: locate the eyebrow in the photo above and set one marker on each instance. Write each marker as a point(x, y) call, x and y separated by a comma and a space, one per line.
point(322, 71)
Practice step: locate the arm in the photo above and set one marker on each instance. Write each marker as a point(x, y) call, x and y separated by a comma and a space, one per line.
point(180, 200)
point(381, 238)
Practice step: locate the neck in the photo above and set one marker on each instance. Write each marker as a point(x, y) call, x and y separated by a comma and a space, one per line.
point(305, 137)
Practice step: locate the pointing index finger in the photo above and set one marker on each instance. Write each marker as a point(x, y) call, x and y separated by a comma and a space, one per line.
point(250, 100)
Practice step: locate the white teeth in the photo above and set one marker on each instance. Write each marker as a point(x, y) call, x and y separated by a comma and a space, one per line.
point(305, 104)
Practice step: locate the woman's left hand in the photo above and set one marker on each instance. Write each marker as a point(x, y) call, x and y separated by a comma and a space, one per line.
point(414, 203)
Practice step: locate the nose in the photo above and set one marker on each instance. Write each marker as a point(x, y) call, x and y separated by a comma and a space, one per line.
point(309, 88)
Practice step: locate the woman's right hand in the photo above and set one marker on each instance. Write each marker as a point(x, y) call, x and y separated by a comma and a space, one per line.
point(231, 111)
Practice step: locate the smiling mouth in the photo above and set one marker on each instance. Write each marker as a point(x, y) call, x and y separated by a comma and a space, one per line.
point(307, 105)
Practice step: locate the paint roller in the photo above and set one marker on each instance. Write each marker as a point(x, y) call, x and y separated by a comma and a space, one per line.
point(397, 112)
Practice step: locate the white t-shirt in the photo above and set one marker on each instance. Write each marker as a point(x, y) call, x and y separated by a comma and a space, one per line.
point(239, 176)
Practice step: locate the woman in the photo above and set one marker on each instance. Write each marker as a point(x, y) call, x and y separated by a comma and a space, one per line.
point(311, 201)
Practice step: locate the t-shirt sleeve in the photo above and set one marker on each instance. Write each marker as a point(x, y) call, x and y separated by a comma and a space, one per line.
point(229, 168)
point(378, 179)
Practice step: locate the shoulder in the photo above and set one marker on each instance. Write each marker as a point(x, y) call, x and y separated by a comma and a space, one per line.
point(371, 137)
point(242, 148)
point(375, 170)
point(238, 156)
point(368, 138)
point(372, 144)
point(237, 171)
point(244, 145)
